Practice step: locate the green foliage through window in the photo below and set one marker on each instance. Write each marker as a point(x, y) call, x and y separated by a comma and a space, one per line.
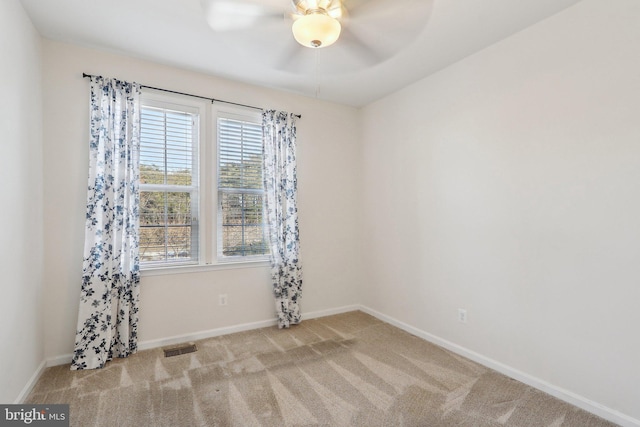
point(240, 193)
point(168, 196)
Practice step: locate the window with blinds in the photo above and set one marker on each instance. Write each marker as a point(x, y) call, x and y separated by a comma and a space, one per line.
point(241, 231)
point(168, 185)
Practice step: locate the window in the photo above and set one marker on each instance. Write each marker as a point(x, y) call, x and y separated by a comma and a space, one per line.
point(200, 184)
point(241, 231)
point(168, 184)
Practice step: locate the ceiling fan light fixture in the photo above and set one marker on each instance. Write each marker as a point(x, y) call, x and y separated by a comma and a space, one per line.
point(316, 29)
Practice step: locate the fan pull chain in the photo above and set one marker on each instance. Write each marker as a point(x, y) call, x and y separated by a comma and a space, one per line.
point(317, 74)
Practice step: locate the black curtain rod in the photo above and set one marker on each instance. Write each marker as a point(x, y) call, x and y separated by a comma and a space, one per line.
point(85, 75)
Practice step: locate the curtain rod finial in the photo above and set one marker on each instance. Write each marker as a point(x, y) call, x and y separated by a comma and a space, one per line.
point(88, 76)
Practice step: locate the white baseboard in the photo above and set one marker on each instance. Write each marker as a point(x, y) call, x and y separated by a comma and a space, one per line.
point(555, 391)
point(195, 336)
point(59, 360)
point(31, 383)
point(331, 312)
point(145, 345)
point(177, 339)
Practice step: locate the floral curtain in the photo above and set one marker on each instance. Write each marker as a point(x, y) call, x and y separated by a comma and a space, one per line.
point(108, 313)
point(281, 212)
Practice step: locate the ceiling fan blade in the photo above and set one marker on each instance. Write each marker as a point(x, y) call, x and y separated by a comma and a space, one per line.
point(357, 5)
point(230, 15)
point(288, 57)
point(400, 12)
point(387, 25)
point(358, 47)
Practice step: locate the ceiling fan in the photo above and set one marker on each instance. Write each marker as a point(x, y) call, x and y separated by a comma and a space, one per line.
point(351, 33)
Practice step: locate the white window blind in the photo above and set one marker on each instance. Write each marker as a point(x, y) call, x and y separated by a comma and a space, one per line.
point(168, 186)
point(240, 193)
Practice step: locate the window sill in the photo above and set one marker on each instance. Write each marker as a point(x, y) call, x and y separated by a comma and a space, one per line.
point(187, 269)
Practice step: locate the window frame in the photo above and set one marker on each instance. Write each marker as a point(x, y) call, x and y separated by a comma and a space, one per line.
point(160, 101)
point(207, 154)
point(255, 117)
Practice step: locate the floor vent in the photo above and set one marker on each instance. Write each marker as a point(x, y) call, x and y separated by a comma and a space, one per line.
point(177, 351)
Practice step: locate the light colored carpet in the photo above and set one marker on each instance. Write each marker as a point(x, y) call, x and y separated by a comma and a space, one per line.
point(344, 370)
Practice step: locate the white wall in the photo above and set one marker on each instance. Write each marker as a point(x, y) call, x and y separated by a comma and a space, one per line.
point(506, 184)
point(178, 305)
point(21, 328)
point(509, 184)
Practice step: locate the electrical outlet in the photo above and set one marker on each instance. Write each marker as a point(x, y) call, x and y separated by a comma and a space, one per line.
point(462, 315)
point(222, 299)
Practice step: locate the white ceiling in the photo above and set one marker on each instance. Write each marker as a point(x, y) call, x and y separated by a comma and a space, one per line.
point(408, 39)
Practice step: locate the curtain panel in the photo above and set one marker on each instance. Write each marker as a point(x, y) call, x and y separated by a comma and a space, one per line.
point(281, 213)
point(108, 312)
